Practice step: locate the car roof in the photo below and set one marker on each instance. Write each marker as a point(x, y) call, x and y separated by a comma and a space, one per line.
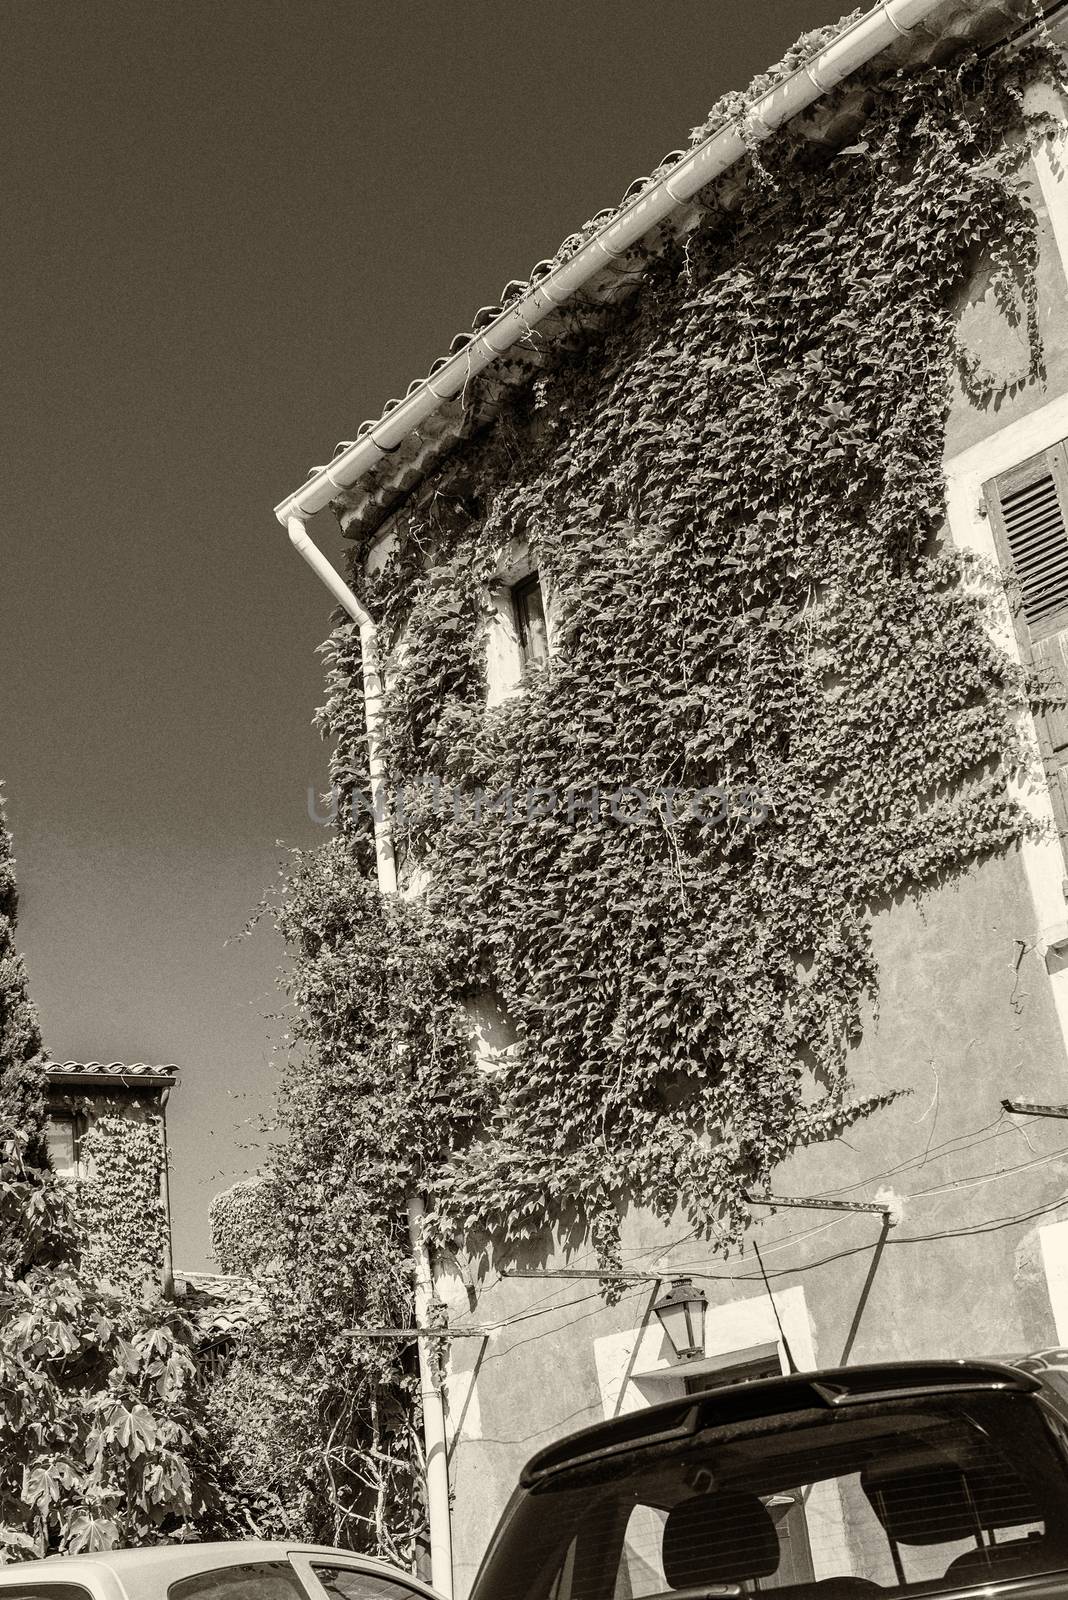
point(164, 1564)
point(741, 1402)
point(224, 1550)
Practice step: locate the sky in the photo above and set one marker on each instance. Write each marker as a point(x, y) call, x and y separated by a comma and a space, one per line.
point(230, 233)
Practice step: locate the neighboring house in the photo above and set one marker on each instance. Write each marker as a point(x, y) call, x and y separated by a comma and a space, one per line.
point(106, 1130)
point(221, 1307)
point(957, 1243)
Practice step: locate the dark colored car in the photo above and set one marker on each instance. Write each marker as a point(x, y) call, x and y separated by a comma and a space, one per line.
point(939, 1478)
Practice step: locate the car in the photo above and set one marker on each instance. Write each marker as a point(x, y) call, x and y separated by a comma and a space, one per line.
point(236, 1570)
point(912, 1478)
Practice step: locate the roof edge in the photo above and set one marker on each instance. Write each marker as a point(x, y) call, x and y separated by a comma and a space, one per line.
point(129, 1074)
point(857, 44)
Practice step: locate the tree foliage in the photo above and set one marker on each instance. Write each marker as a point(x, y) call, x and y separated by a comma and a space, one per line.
point(25, 1229)
point(101, 1407)
point(243, 1227)
point(382, 1085)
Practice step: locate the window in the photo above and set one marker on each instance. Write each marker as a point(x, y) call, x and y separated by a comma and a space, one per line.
point(493, 1033)
point(350, 1583)
point(45, 1591)
point(764, 1366)
point(919, 1494)
point(1028, 508)
point(519, 629)
point(61, 1137)
point(249, 1580)
point(787, 1509)
point(528, 614)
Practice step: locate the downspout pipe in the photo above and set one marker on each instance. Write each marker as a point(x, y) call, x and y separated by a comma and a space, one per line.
point(853, 48)
point(302, 541)
point(439, 1514)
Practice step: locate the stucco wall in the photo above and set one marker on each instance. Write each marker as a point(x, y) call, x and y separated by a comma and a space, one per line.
point(966, 1018)
point(999, 342)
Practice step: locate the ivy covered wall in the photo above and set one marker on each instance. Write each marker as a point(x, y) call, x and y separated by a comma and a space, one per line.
point(731, 486)
point(242, 1233)
point(735, 495)
point(119, 1200)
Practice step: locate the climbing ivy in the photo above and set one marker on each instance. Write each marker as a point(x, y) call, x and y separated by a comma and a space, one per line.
point(243, 1227)
point(26, 1205)
point(119, 1201)
point(732, 489)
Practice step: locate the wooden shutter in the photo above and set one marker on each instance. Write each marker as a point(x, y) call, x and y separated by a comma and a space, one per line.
point(1028, 508)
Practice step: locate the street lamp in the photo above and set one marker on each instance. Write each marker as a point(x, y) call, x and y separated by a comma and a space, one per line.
point(682, 1316)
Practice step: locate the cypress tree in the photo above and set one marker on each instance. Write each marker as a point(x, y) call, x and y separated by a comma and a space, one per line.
point(26, 1226)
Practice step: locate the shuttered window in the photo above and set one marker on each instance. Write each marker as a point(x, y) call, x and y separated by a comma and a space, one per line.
point(1031, 505)
point(1028, 508)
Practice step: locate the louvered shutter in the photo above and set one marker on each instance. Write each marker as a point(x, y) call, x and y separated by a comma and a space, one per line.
point(1029, 513)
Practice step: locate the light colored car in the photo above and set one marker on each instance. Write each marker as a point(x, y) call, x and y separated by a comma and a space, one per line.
point(239, 1570)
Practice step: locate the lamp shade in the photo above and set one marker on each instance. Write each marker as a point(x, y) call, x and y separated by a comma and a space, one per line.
point(682, 1316)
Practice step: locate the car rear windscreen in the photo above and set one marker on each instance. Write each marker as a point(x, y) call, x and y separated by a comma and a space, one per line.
point(906, 1497)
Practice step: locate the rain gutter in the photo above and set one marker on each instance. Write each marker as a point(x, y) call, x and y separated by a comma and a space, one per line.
point(853, 48)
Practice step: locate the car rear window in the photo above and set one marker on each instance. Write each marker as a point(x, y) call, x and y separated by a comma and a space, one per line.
point(902, 1498)
point(249, 1580)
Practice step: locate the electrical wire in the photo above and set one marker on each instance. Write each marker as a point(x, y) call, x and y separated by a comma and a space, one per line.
point(554, 1300)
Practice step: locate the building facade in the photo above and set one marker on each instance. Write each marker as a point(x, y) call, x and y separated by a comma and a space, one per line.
point(936, 1222)
point(106, 1131)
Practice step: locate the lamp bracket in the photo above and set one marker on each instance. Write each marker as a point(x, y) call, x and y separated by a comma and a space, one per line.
point(805, 1204)
point(419, 1333)
point(1030, 1108)
point(581, 1272)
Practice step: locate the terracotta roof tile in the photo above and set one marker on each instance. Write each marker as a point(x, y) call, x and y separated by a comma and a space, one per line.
point(369, 502)
point(110, 1069)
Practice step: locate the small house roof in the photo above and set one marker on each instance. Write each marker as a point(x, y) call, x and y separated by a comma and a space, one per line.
point(121, 1074)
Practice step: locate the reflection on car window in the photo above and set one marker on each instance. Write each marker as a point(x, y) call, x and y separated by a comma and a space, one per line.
point(641, 1570)
point(45, 1591)
point(349, 1583)
point(251, 1580)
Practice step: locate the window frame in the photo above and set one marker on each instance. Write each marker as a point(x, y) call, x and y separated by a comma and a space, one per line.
point(507, 654)
point(1037, 641)
point(31, 1589)
point(54, 1116)
point(180, 1588)
point(1051, 462)
point(519, 594)
point(394, 1584)
point(304, 1563)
